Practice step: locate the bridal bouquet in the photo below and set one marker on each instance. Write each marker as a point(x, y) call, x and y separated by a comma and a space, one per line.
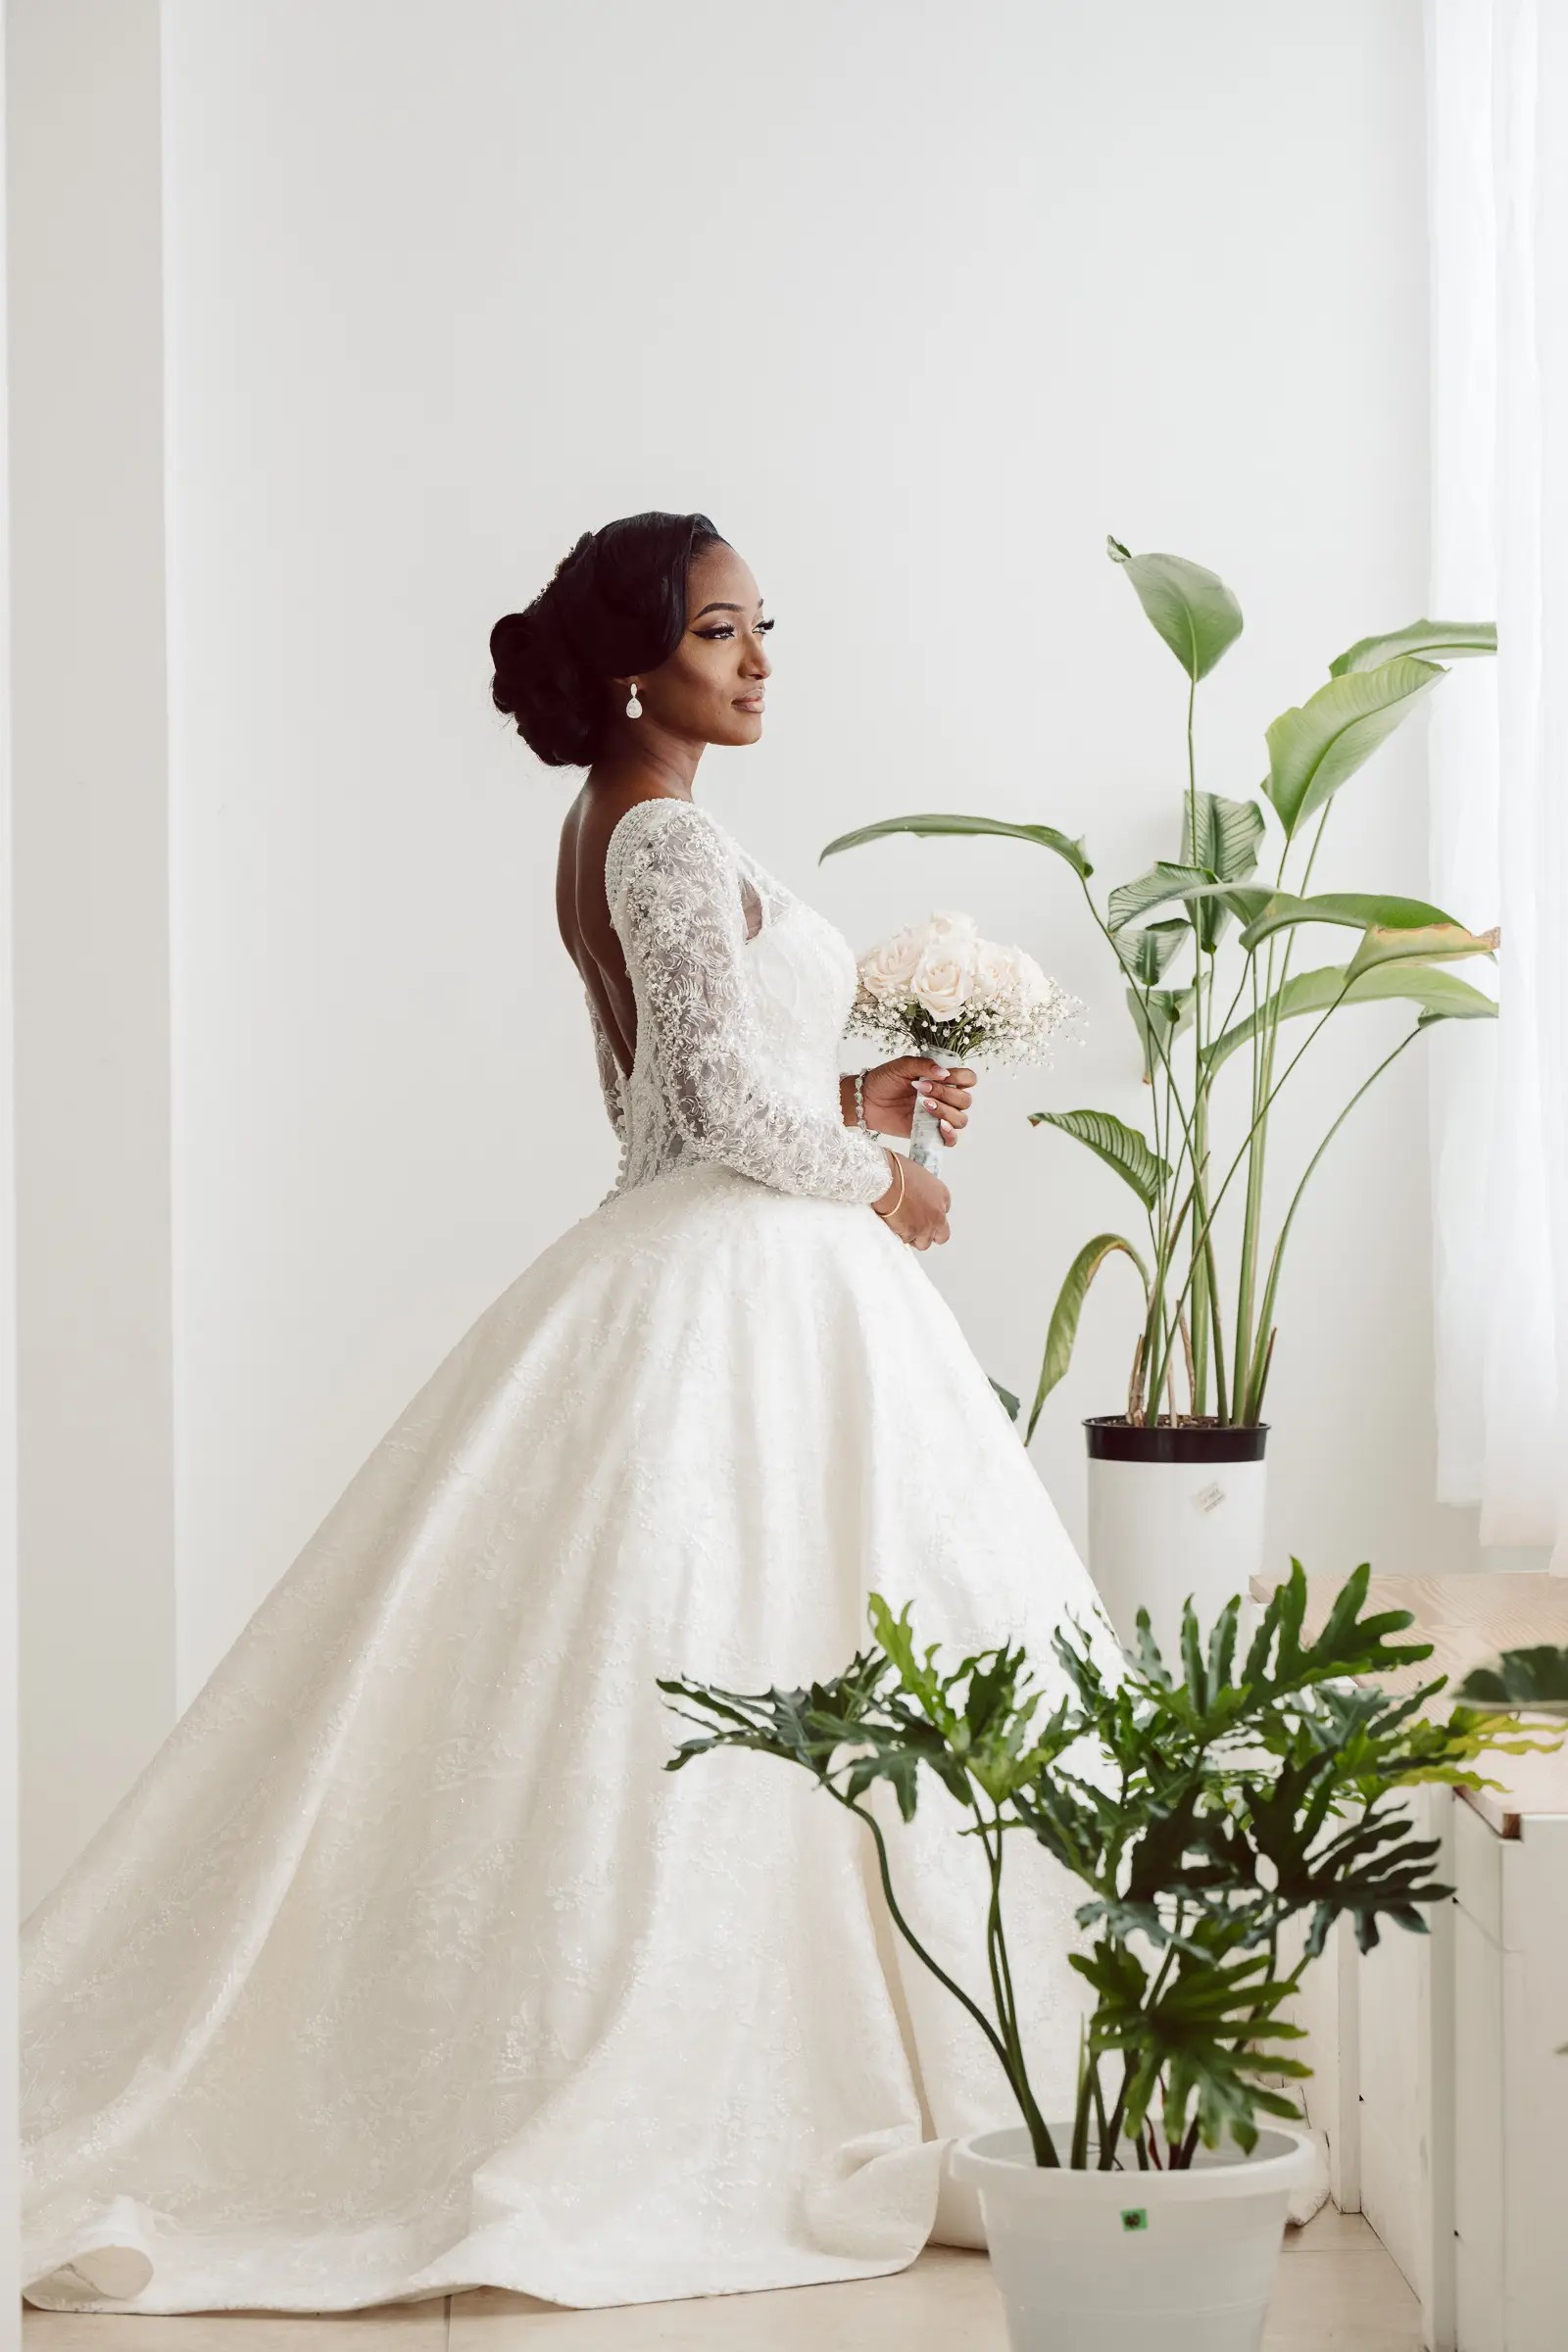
point(938, 988)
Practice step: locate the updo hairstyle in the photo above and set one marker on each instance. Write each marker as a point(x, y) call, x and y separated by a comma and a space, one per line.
point(615, 607)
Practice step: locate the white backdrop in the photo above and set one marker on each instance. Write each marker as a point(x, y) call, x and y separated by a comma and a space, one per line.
point(93, 919)
point(919, 309)
point(9, 2183)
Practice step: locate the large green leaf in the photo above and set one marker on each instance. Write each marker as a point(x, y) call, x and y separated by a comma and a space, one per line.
point(1520, 1677)
point(1044, 837)
point(1197, 2036)
point(1120, 1147)
point(1433, 639)
point(1227, 833)
point(1163, 883)
point(1148, 954)
point(1245, 898)
point(1315, 747)
point(1437, 943)
point(1442, 996)
point(1160, 1016)
point(1069, 1306)
point(1352, 911)
point(1192, 609)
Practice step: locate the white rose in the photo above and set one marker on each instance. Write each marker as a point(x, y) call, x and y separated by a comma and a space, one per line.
point(888, 969)
point(996, 975)
point(948, 924)
point(1034, 988)
point(943, 980)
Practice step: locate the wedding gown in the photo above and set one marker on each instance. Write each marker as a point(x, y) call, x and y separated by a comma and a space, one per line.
point(405, 1966)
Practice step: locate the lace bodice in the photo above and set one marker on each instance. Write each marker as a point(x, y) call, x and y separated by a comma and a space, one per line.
point(737, 1038)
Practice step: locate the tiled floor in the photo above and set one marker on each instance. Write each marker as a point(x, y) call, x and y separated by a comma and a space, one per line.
point(1338, 2292)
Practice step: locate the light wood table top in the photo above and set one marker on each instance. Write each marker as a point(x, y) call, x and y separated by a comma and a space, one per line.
point(1468, 1620)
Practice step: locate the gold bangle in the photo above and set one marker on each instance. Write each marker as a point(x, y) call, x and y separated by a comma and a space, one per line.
point(897, 1158)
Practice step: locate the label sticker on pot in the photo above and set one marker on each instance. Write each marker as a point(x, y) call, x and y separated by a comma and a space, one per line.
point(1209, 1498)
point(1135, 2217)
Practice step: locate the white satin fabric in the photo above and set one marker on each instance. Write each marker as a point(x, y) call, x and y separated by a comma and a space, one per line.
point(405, 1966)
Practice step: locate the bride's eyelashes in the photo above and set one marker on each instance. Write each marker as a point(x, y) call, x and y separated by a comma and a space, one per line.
point(728, 628)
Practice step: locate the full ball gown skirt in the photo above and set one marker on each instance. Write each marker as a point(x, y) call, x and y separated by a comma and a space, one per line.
point(404, 1967)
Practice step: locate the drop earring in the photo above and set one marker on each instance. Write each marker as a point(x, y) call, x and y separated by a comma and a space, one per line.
point(634, 708)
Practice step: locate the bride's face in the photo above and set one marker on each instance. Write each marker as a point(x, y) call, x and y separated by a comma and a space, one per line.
point(721, 665)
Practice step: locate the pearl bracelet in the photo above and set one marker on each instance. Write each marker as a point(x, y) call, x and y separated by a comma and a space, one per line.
point(859, 1102)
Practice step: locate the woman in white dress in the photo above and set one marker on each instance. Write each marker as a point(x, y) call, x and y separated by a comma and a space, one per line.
point(405, 1966)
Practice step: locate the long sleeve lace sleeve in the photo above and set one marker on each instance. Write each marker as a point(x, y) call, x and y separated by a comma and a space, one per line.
point(674, 899)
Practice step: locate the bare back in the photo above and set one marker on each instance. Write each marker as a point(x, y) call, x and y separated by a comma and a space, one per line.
point(582, 912)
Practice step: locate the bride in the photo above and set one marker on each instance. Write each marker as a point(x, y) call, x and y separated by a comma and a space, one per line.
point(404, 1967)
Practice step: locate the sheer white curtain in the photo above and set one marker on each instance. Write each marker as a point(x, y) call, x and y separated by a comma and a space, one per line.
point(1498, 132)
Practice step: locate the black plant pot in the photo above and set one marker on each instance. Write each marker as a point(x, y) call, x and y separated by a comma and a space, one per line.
point(1112, 1437)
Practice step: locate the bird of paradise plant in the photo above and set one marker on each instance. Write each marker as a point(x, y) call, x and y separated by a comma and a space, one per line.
point(1217, 1323)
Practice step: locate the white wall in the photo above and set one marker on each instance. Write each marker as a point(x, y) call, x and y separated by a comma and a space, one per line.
point(92, 922)
point(10, 1645)
point(917, 306)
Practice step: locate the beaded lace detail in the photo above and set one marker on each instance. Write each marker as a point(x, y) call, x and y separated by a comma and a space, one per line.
point(736, 1038)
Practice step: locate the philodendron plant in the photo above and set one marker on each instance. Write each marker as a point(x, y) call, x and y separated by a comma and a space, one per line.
point(1201, 1810)
point(1206, 948)
point(1533, 1681)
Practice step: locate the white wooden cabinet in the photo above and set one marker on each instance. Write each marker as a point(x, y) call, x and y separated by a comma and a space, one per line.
point(1510, 1966)
point(1439, 2075)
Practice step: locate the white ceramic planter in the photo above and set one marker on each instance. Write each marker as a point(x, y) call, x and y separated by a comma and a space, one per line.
point(1130, 2260)
point(1173, 1512)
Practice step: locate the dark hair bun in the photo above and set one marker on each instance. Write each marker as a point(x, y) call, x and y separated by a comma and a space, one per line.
point(615, 607)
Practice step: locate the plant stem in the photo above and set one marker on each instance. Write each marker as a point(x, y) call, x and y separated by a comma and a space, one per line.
point(1107, 2137)
point(1265, 1319)
point(1200, 1121)
point(1133, 1392)
point(1222, 1402)
point(1192, 1370)
point(1158, 1335)
point(1273, 1098)
point(1136, 1410)
point(1257, 1141)
point(1263, 1036)
point(1262, 1383)
point(1110, 2133)
point(1160, 1230)
point(1002, 1981)
point(1203, 1284)
point(1079, 2160)
point(1192, 843)
point(1162, 1211)
point(1219, 1028)
point(1045, 2152)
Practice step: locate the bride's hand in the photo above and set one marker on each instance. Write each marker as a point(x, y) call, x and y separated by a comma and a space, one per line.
point(920, 1216)
point(891, 1092)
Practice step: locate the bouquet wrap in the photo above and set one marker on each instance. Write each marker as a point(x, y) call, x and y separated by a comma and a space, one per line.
point(937, 988)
